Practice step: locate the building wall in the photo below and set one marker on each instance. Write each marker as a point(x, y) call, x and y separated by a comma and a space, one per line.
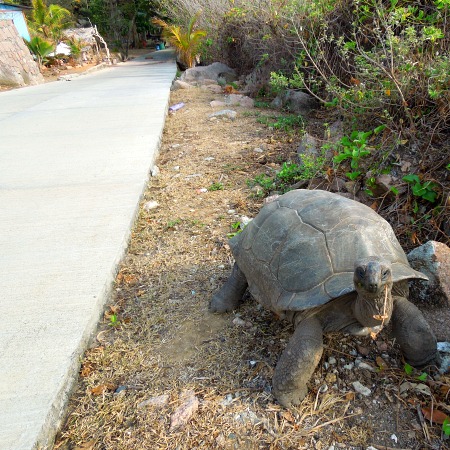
point(17, 66)
point(10, 12)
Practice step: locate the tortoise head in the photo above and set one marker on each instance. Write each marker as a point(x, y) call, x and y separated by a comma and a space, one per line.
point(373, 283)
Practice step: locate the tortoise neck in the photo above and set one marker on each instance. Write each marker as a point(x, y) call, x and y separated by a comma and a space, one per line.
point(373, 309)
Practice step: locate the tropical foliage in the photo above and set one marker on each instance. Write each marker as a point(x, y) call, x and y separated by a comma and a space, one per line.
point(186, 41)
point(41, 48)
point(49, 21)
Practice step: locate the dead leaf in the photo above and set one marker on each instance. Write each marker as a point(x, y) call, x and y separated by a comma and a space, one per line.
point(434, 415)
point(381, 363)
point(86, 369)
point(288, 416)
point(445, 389)
point(349, 396)
point(102, 388)
point(364, 351)
point(183, 414)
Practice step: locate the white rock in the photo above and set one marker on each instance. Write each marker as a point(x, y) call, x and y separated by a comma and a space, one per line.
point(155, 171)
point(361, 389)
point(238, 322)
point(331, 360)
point(152, 204)
point(349, 366)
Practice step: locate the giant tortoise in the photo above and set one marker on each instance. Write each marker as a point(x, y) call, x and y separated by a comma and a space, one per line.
point(326, 263)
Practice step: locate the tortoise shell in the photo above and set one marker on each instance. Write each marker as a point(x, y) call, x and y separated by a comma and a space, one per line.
point(299, 252)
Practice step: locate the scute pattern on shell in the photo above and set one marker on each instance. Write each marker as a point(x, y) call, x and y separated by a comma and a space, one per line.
point(299, 251)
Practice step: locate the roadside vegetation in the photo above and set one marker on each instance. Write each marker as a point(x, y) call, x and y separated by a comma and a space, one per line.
point(380, 67)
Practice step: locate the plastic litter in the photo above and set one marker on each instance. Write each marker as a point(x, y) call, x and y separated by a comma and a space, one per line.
point(176, 107)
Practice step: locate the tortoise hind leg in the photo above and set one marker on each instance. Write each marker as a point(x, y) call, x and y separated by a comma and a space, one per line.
point(230, 295)
point(298, 362)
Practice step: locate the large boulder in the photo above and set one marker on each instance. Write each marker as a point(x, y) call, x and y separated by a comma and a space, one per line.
point(433, 296)
point(295, 101)
point(214, 71)
point(432, 259)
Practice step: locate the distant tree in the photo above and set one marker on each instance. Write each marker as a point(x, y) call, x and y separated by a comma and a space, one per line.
point(49, 21)
point(186, 41)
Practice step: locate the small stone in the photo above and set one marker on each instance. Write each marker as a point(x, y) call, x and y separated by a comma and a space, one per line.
point(361, 389)
point(394, 438)
point(258, 150)
point(228, 113)
point(349, 366)
point(231, 211)
point(217, 104)
point(238, 322)
point(331, 360)
point(160, 400)
point(330, 378)
point(176, 168)
point(365, 366)
point(210, 158)
point(183, 413)
point(155, 171)
point(152, 204)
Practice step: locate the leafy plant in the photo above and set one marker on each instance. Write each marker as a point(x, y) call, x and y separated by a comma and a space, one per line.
point(446, 427)
point(113, 320)
point(237, 229)
point(426, 190)
point(41, 48)
point(186, 41)
point(216, 187)
point(354, 148)
point(408, 369)
point(49, 21)
point(284, 123)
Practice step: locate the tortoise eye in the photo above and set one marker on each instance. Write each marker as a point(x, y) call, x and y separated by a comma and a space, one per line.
point(360, 272)
point(385, 274)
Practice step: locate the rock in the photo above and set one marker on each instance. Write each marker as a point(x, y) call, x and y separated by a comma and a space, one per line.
point(241, 100)
point(214, 88)
point(295, 101)
point(217, 103)
point(228, 113)
point(160, 400)
point(152, 204)
point(361, 389)
point(335, 131)
point(238, 322)
point(226, 77)
point(155, 171)
point(183, 413)
point(308, 146)
point(331, 360)
point(211, 72)
point(432, 259)
point(178, 84)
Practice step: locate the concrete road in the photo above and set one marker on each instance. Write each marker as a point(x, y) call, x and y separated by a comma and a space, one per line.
point(74, 160)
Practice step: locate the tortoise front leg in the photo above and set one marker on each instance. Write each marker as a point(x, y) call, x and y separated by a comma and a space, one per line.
point(413, 334)
point(298, 362)
point(230, 295)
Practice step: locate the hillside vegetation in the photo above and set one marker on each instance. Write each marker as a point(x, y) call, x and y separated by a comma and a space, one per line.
point(381, 67)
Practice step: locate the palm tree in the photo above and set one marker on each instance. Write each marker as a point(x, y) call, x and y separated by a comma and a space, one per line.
point(186, 42)
point(49, 21)
point(40, 47)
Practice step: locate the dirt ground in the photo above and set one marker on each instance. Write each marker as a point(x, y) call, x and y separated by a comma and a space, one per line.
point(158, 349)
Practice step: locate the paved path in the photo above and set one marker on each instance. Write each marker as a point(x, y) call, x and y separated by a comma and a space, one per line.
point(74, 159)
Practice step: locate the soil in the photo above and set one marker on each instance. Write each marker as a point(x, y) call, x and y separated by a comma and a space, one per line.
point(158, 347)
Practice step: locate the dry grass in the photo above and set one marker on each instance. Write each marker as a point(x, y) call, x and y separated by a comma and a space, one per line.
point(166, 342)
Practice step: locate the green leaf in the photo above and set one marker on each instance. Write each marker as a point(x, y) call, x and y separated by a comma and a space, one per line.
point(411, 178)
point(429, 195)
point(423, 376)
point(353, 175)
point(408, 369)
point(394, 190)
point(379, 129)
point(446, 427)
